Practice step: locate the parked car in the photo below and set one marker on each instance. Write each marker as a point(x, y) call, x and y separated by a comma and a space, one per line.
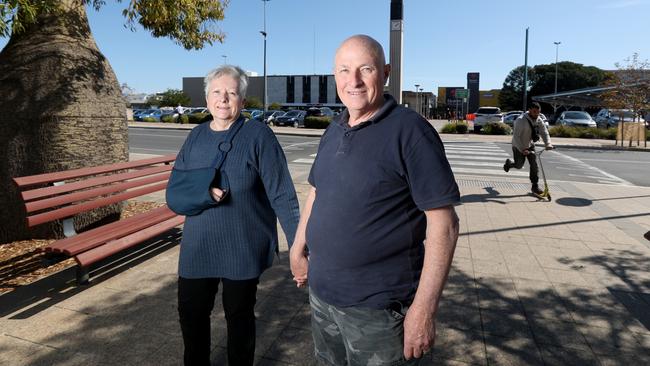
point(320, 112)
point(509, 119)
point(269, 116)
point(137, 115)
point(606, 118)
point(485, 115)
point(295, 118)
point(155, 114)
point(575, 119)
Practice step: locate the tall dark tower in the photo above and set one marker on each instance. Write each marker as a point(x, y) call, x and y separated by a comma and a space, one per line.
point(396, 35)
point(473, 86)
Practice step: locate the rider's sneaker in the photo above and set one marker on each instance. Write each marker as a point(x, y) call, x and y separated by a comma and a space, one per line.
point(506, 166)
point(535, 189)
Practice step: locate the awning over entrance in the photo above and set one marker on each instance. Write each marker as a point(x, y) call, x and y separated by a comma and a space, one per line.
point(587, 97)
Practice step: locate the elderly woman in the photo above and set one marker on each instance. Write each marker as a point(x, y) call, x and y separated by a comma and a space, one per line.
point(233, 242)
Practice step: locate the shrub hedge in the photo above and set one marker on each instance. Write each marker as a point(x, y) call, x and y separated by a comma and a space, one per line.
point(497, 128)
point(317, 122)
point(460, 127)
point(149, 119)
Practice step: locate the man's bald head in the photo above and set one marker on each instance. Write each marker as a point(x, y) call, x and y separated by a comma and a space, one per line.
point(367, 42)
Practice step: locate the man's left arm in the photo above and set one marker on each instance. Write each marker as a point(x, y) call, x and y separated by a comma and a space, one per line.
point(543, 131)
point(440, 243)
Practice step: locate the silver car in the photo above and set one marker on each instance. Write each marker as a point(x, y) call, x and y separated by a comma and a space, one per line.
point(576, 119)
point(485, 115)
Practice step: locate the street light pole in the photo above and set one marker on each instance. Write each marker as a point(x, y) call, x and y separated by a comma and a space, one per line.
point(263, 32)
point(224, 58)
point(416, 96)
point(421, 101)
point(557, 44)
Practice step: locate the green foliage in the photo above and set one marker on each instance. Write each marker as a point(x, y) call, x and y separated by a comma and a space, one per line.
point(512, 92)
point(149, 119)
point(253, 103)
point(183, 119)
point(317, 122)
point(583, 132)
point(169, 98)
point(189, 23)
point(570, 76)
point(460, 127)
point(496, 129)
point(275, 107)
point(541, 80)
point(167, 118)
point(196, 118)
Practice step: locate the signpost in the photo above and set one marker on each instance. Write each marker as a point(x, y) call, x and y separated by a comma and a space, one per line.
point(464, 95)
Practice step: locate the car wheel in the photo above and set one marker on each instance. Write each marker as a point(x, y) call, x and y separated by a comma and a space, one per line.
point(477, 129)
point(296, 124)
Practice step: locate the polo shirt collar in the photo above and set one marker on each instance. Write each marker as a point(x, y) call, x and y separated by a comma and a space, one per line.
point(389, 103)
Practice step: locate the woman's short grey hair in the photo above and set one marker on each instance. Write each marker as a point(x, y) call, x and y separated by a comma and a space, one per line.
point(230, 70)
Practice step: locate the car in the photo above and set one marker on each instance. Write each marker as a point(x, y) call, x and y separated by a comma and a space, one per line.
point(606, 118)
point(320, 112)
point(269, 116)
point(295, 118)
point(485, 115)
point(575, 119)
point(137, 115)
point(509, 119)
point(156, 114)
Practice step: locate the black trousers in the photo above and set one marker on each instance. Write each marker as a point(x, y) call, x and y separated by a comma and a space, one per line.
point(519, 163)
point(195, 304)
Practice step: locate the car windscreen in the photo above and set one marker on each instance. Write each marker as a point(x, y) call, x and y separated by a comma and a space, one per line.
point(576, 115)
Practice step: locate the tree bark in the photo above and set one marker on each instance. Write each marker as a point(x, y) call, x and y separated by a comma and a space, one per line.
point(61, 108)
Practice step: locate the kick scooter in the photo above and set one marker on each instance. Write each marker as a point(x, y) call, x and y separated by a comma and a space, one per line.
point(545, 194)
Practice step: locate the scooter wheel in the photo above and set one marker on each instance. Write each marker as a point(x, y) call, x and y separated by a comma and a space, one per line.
point(549, 198)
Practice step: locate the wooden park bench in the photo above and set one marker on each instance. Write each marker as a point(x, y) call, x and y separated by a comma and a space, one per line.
point(61, 195)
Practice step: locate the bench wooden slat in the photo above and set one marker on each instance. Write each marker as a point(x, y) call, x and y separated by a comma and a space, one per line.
point(82, 172)
point(100, 235)
point(91, 193)
point(98, 253)
point(33, 194)
point(87, 206)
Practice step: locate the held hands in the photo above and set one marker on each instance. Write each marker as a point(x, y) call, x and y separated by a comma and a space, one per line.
point(419, 332)
point(299, 264)
point(218, 194)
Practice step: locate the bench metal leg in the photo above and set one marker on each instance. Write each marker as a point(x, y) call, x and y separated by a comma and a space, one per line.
point(82, 276)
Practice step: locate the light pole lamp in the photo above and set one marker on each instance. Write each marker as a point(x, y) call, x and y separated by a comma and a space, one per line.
point(263, 32)
point(557, 46)
point(416, 96)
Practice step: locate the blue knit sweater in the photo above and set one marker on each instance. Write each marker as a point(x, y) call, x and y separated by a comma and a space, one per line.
point(238, 238)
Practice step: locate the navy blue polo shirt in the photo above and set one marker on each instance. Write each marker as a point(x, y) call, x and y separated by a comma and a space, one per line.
point(367, 225)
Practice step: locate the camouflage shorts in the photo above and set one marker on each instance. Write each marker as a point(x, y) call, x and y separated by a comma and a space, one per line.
point(356, 336)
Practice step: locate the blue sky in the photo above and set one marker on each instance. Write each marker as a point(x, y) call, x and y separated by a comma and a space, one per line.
point(443, 40)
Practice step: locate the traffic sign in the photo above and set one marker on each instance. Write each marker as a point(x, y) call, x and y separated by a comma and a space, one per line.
point(462, 93)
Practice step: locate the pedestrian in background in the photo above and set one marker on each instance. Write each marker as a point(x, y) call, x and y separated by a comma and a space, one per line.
point(379, 222)
point(527, 130)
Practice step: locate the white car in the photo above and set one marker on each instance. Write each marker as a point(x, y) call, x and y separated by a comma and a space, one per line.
point(576, 119)
point(485, 115)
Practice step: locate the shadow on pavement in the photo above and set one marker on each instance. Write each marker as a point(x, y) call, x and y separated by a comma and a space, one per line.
point(50, 290)
point(491, 196)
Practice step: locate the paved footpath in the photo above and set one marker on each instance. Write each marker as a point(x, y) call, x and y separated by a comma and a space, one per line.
point(565, 282)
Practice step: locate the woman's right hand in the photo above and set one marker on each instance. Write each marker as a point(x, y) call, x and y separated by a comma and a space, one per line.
point(299, 264)
point(217, 194)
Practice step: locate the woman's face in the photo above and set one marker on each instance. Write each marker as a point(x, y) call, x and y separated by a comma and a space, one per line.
point(223, 99)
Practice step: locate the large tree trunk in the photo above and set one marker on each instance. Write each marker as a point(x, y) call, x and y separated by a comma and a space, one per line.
point(60, 108)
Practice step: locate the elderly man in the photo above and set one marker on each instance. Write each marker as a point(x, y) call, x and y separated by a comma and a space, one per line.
point(379, 222)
